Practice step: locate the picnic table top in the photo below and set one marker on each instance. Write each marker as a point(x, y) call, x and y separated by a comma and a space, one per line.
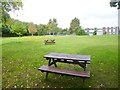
point(74, 57)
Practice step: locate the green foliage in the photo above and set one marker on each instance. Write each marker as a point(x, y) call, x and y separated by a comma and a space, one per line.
point(10, 21)
point(81, 32)
point(74, 26)
point(64, 31)
point(57, 30)
point(42, 29)
point(5, 7)
point(52, 26)
point(19, 28)
point(95, 32)
point(4, 18)
point(11, 5)
point(5, 30)
point(8, 6)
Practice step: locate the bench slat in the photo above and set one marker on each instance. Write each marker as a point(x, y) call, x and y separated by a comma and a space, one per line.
point(83, 74)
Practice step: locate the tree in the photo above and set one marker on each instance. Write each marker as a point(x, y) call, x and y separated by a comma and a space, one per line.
point(64, 31)
point(49, 25)
point(19, 28)
point(52, 26)
point(32, 28)
point(5, 7)
point(95, 31)
point(8, 6)
point(74, 26)
point(10, 21)
point(5, 16)
point(81, 32)
point(5, 31)
point(42, 29)
point(55, 28)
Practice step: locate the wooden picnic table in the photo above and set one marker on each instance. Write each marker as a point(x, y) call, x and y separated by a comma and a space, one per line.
point(53, 58)
point(49, 41)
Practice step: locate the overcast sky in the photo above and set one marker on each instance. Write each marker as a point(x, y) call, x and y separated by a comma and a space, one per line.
point(91, 13)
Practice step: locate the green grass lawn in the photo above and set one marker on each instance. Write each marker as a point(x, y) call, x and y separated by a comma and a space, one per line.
point(22, 56)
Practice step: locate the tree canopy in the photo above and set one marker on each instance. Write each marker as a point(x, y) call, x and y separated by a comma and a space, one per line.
point(32, 28)
point(8, 6)
point(19, 28)
point(52, 26)
point(75, 27)
point(42, 29)
point(10, 26)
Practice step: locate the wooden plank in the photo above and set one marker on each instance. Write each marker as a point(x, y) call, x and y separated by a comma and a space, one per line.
point(76, 57)
point(83, 74)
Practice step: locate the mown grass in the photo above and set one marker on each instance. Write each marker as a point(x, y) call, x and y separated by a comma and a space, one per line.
point(22, 56)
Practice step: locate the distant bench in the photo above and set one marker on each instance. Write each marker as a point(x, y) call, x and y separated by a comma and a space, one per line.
point(49, 41)
point(81, 60)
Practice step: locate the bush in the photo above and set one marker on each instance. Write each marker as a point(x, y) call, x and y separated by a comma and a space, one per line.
point(81, 32)
point(95, 32)
point(5, 31)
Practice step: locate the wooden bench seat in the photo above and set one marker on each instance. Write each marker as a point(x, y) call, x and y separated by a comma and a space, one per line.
point(83, 74)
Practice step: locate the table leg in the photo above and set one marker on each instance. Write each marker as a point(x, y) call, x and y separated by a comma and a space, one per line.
point(46, 75)
point(85, 66)
point(48, 65)
point(82, 65)
point(49, 62)
point(54, 62)
point(83, 80)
